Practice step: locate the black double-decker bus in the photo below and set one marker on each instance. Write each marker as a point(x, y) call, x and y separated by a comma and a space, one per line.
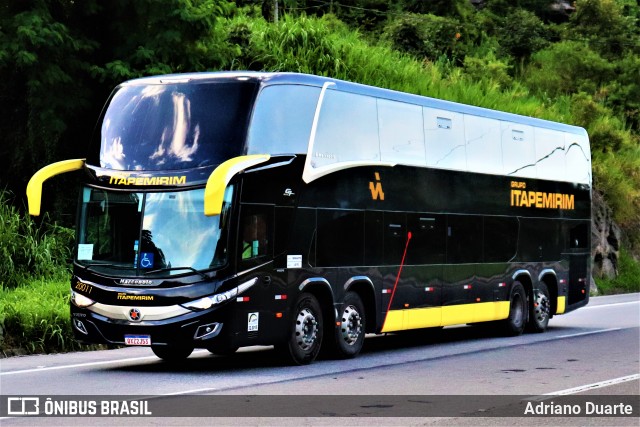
point(222, 210)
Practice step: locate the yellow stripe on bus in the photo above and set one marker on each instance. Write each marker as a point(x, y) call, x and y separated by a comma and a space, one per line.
point(561, 305)
point(416, 318)
point(220, 177)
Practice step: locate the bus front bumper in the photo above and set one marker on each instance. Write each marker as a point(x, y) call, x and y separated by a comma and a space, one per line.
point(199, 329)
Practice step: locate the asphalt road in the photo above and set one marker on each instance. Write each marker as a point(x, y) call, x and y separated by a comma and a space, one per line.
point(594, 351)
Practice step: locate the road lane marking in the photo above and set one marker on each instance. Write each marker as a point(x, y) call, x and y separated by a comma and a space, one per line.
point(610, 305)
point(80, 365)
point(580, 334)
point(587, 387)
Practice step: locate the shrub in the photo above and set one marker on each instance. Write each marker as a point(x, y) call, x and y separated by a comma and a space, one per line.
point(522, 34)
point(35, 318)
point(568, 67)
point(28, 249)
point(427, 36)
point(627, 280)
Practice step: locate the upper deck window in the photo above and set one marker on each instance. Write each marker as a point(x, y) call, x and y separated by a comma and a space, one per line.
point(173, 126)
point(282, 120)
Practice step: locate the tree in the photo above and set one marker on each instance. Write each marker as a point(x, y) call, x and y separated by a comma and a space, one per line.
point(522, 34)
point(60, 58)
point(427, 36)
point(603, 24)
point(568, 67)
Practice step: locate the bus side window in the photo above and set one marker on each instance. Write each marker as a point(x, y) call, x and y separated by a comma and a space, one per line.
point(464, 239)
point(254, 234)
point(340, 238)
point(428, 243)
point(578, 237)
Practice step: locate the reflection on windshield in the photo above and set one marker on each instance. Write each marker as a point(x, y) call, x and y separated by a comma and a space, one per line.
point(175, 231)
point(150, 231)
point(173, 126)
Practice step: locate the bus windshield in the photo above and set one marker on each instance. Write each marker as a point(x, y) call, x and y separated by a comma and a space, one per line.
point(150, 234)
point(172, 126)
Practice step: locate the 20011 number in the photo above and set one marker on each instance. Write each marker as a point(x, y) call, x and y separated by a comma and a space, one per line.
point(83, 287)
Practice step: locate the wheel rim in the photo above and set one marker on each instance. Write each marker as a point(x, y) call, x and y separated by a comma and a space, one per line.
point(306, 329)
point(351, 325)
point(541, 307)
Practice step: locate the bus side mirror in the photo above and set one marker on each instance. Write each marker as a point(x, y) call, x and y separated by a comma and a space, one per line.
point(34, 187)
point(220, 177)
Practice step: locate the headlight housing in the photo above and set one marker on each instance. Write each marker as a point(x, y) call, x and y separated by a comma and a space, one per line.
point(211, 300)
point(80, 300)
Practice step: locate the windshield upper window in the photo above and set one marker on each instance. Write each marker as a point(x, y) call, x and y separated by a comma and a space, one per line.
point(143, 232)
point(173, 126)
point(282, 120)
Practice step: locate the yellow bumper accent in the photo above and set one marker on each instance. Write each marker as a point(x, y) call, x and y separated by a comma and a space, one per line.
point(561, 305)
point(220, 177)
point(34, 187)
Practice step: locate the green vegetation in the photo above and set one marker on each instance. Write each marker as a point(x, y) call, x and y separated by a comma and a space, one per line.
point(627, 280)
point(59, 59)
point(30, 250)
point(34, 318)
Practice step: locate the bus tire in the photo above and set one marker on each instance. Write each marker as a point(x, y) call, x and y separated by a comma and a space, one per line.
point(220, 350)
point(305, 336)
point(517, 320)
point(349, 336)
point(539, 309)
point(172, 353)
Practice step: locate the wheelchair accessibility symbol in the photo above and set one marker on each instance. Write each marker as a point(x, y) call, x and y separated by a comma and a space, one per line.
point(146, 260)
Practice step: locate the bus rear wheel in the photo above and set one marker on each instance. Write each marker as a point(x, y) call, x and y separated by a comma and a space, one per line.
point(349, 336)
point(540, 309)
point(172, 353)
point(515, 323)
point(305, 336)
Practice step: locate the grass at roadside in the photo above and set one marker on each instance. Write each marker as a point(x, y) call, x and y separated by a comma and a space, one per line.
point(34, 318)
point(628, 279)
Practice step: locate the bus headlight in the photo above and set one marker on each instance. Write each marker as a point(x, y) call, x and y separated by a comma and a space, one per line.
point(210, 301)
point(80, 300)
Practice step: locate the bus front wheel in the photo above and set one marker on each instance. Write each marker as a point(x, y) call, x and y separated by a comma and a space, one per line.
point(305, 336)
point(221, 350)
point(172, 353)
point(515, 323)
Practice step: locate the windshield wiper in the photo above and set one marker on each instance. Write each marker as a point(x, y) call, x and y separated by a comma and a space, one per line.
point(115, 266)
point(160, 270)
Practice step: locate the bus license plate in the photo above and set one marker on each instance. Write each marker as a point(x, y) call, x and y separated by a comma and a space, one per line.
point(137, 339)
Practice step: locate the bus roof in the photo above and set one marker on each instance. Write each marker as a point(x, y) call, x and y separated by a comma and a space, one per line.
point(277, 78)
